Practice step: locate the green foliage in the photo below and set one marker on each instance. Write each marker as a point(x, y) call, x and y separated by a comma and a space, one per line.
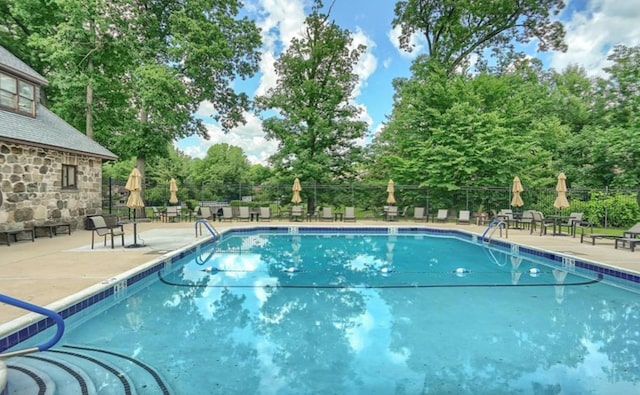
point(317, 125)
point(456, 29)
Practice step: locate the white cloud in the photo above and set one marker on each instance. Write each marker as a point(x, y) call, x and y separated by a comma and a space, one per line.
point(280, 21)
point(250, 137)
point(367, 63)
point(417, 42)
point(593, 32)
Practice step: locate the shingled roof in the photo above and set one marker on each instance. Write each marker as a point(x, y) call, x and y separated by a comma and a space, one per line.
point(46, 129)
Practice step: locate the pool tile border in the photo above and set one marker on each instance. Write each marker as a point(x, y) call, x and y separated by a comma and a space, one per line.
point(33, 329)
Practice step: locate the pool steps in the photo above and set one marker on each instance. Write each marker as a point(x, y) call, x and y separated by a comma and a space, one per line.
point(83, 371)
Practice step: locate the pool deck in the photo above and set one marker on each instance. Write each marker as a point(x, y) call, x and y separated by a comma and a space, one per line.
point(50, 269)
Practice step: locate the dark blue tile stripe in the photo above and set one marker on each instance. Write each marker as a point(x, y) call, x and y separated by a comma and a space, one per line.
point(26, 333)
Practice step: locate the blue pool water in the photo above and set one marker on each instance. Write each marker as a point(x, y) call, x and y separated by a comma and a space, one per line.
point(370, 314)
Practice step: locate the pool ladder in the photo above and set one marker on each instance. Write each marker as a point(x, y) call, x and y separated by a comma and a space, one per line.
point(493, 225)
point(211, 229)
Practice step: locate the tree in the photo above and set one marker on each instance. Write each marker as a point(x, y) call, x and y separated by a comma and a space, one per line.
point(317, 123)
point(136, 72)
point(456, 29)
point(224, 167)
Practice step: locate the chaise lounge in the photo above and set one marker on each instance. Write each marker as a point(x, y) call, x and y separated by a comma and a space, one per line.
point(628, 234)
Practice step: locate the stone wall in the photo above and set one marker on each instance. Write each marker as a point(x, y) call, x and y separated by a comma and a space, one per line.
point(31, 180)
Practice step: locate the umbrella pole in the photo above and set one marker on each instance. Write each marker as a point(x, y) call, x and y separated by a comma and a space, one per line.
point(135, 229)
point(135, 233)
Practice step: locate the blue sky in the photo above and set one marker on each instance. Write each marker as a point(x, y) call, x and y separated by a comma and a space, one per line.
point(593, 28)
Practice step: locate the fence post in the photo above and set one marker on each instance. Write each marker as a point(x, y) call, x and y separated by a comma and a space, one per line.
point(606, 214)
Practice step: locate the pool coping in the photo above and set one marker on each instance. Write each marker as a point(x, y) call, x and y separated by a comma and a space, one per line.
point(23, 328)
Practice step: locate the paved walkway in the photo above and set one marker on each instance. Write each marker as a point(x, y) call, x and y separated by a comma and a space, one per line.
point(50, 269)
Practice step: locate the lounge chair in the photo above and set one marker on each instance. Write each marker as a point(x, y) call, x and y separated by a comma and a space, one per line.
point(632, 241)
point(296, 213)
point(631, 233)
point(326, 215)
point(103, 230)
point(227, 214)
point(349, 214)
point(419, 214)
point(205, 213)
point(464, 217)
point(265, 214)
point(243, 214)
point(442, 215)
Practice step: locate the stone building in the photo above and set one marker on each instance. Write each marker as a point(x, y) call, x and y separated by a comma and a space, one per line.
point(49, 171)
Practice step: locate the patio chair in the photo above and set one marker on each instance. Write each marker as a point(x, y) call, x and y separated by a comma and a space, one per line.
point(464, 217)
point(525, 220)
point(327, 215)
point(404, 212)
point(572, 223)
point(349, 214)
point(392, 213)
point(103, 230)
point(243, 214)
point(539, 219)
point(173, 213)
point(315, 214)
point(157, 215)
point(227, 214)
point(506, 215)
point(265, 214)
point(296, 213)
point(632, 232)
point(419, 214)
point(442, 215)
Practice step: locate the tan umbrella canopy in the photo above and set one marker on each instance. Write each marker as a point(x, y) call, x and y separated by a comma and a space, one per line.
point(296, 199)
point(391, 189)
point(173, 188)
point(517, 189)
point(561, 200)
point(134, 186)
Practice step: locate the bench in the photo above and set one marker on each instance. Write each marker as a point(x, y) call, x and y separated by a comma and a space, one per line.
point(52, 229)
point(9, 234)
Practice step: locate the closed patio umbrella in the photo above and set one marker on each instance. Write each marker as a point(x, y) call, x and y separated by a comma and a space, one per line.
point(173, 188)
point(517, 189)
point(391, 199)
point(561, 200)
point(296, 199)
point(134, 186)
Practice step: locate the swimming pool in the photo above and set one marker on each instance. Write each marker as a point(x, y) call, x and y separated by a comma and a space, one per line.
point(371, 310)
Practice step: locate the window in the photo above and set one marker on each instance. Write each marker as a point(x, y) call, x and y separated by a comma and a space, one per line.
point(69, 177)
point(17, 95)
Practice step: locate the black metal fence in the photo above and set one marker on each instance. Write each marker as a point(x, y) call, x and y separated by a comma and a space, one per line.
point(605, 207)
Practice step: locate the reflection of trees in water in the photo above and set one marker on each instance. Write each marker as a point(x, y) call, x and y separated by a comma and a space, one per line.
point(300, 338)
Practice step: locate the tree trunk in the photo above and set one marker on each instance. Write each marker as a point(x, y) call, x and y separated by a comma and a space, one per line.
point(140, 164)
point(89, 102)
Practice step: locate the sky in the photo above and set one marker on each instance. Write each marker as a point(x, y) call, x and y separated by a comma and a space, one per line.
point(593, 28)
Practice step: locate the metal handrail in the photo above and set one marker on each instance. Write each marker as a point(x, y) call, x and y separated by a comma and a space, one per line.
point(206, 224)
point(40, 310)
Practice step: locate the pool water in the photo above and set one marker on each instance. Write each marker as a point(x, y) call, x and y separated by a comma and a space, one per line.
point(371, 314)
